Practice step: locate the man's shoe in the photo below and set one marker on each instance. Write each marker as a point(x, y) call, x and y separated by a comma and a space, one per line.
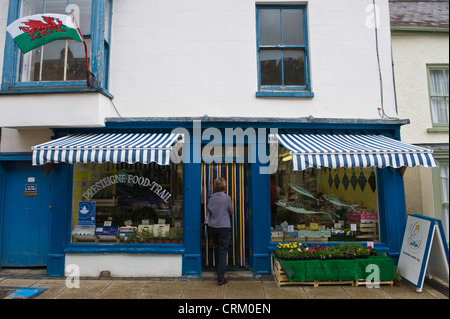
point(223, 282)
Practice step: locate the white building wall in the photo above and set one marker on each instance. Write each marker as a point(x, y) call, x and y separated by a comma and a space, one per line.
point(411, 54)
point(123, 265)
point(4, 4)
point(197, 57)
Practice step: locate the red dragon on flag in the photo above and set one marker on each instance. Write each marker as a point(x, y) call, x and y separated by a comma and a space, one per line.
point(36, 28)
point(33, 31)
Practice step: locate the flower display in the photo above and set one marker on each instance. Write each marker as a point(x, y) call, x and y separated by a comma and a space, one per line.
point(299, 251)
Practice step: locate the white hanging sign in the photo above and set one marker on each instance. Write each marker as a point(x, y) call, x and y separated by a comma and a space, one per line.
point(424, 250)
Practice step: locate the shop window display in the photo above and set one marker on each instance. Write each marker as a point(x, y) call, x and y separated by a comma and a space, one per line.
point(123, 203)
point(322, 205)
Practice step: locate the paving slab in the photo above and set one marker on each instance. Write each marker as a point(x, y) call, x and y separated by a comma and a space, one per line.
point(244, 290)
point(241, 285)
point(163, 290)
point(326, 292)
point(363, 292)
point(272, 291)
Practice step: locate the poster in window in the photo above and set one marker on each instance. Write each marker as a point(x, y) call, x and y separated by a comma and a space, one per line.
point(86, 213)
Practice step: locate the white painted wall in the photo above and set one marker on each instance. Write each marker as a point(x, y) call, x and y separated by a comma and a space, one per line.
point(411, 54)
point(4, 4)
point(123, 265)
point(196, 57)
point(55, 110)
point(21, 140)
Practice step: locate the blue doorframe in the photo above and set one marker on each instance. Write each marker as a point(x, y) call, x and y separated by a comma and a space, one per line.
point(62, 181)
point(24, 215)
point(259, 231)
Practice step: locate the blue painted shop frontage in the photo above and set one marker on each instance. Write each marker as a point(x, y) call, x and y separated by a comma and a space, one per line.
point(130, 197)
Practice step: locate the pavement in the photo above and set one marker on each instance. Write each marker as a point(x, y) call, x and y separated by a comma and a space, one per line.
point(34, 284)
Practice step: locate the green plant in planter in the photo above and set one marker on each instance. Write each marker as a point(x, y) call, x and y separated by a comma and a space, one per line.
point(159, 235)
point(133, 237)
point(177, 235)
point(146, 235)
point(397, 277)
point(362, 253)
point(282, 253)
point(372, 251)
point(322, 254)
point(166, 238)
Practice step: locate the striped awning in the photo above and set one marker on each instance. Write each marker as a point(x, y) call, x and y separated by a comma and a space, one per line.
point(347, 150)
point(107, 147)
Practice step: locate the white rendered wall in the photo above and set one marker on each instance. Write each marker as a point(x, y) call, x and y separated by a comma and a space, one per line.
point(21, 140)
point(411, 55)
point(173, 58)
point(4, 4)
point(197, 57)
point(55, 110)
point(122, 265)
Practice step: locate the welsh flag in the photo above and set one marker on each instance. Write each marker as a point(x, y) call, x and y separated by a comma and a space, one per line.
point(34, 31)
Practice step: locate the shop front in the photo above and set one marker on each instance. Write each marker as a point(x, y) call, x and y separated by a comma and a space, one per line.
point(130, 198)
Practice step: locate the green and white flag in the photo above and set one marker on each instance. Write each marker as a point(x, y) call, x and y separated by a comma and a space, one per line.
point(34, 31)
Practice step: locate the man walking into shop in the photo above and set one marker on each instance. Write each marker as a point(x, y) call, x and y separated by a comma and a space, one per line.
point(218, 214)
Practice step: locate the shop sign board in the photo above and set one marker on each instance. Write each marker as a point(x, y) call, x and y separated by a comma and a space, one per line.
point(424, 251)
point(86, 213)
point(30, 190)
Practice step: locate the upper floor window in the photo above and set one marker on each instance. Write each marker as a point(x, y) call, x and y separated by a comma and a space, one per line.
point(283, 51)
point(60, 64)
point(439, 99)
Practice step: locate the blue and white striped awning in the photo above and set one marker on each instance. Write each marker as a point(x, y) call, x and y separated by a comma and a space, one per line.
point(348, 150)
point(107, 147)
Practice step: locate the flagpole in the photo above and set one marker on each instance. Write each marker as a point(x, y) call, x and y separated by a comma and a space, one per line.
point(88, 72)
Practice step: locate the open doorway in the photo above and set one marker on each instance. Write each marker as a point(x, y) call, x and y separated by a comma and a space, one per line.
point(237, 188)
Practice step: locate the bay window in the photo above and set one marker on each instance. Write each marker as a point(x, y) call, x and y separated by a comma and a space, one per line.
point(60, 64)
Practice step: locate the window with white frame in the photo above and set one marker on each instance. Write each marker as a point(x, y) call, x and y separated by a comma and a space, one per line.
point(439, 98)
point(62, 63)
point(283, 51)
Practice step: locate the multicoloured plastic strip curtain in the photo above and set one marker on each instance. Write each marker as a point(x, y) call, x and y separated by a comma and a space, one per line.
point(234, 174)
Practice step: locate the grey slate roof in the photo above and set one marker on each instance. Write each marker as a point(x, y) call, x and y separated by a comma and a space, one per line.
point(419, 14)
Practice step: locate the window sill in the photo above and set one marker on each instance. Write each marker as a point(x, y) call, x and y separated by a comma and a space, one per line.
point(50, 90)
point(295, 94)
point(438, 129)
point(110, 248)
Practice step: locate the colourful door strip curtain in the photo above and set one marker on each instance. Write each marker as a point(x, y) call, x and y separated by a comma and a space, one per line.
point(234, 174)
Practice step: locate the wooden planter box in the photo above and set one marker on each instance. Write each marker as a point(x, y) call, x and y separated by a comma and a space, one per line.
point(284, 277)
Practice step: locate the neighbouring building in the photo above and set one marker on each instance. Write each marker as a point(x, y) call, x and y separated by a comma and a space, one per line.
point(420, 40)
point(292, 102)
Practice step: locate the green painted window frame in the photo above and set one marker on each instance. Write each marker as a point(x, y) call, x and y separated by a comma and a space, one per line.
point(436, 127)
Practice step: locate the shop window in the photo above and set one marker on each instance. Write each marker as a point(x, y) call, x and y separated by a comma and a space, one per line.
point(444, 173)
point(324, 205)
point(123, 203)
point(62, 63)
point(439, 99)
point(283, 51)
point(441, 189)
